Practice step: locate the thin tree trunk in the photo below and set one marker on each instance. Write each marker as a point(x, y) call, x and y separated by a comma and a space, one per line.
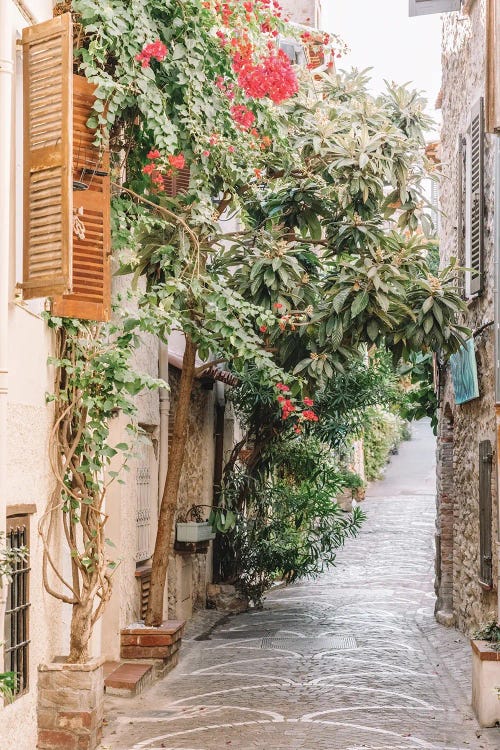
point(81, 630)
point(168, 507)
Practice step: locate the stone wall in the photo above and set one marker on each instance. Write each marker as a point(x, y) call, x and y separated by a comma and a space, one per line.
point(463, 427)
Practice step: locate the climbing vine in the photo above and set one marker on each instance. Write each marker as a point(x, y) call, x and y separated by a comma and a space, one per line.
point(94, 382)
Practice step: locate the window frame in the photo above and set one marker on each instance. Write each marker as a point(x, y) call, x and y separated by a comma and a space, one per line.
point(18, 607)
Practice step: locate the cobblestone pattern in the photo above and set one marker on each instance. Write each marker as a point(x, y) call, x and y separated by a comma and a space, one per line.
point(404, 685)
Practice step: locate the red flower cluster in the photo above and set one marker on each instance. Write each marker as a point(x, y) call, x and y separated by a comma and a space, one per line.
point(242, 116)
point(309, 415)
point(289, 408)
point(177, 161)
point(157, 178)
point(272, 76)
point(156, 49)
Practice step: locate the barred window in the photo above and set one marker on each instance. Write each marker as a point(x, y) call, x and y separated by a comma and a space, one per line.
point(16, 634)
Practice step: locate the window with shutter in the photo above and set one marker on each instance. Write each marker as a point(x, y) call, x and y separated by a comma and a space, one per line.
point(427, 7)
point(47, 70)
point(90, 296)
point(485, 514)
point(474, 204)
point(178, 183)
point(66, 180)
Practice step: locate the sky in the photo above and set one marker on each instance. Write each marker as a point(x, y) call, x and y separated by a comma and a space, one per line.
point(381, 36)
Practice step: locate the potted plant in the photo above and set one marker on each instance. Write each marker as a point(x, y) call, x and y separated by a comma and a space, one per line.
point(486, 674)
point(193, 528)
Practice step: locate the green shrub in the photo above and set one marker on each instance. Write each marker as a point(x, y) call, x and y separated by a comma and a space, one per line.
point(382, 434)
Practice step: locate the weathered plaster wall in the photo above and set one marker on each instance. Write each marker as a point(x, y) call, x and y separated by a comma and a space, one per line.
point(306, 12)
point(189, 574)
point(458, 473)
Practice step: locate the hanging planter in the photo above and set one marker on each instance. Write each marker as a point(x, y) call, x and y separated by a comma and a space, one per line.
point(194, 531)
point(192, 528)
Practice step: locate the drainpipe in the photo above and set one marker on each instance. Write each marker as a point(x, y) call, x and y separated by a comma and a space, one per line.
point(497, 345)
point(164, 412)
point(6, 84)
point(163, 452)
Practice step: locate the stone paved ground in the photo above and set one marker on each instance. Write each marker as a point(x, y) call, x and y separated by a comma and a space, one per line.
point(352, 661)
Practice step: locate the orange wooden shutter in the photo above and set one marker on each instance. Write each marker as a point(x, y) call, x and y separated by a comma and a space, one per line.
point(90, 297)
point(179, 183)
point(47, 67)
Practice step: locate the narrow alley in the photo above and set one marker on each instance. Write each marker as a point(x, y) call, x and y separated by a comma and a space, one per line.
point(352, 660)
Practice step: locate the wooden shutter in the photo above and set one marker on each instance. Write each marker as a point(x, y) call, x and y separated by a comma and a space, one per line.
point(90, 296)
point(178, 184)
point(485, 514)
point(427, 7)
point(474, 236)
point(461, 167)
point(47, 70)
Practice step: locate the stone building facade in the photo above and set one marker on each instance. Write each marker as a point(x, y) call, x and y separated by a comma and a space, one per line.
point(467, 509)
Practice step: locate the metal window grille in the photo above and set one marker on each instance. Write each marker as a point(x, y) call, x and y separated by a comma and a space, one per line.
point(16, 635)
point(143, 513)
point(485, 514)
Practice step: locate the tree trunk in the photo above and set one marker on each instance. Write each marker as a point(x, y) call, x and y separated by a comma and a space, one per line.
point(168, 507)
point(81, 630)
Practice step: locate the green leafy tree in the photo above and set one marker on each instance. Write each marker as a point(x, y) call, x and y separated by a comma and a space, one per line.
point(325, 181)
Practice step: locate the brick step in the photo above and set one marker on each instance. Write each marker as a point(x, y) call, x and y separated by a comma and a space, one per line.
point(129, 678)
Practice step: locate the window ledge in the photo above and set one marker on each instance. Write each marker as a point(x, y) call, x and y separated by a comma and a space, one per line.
point(21, 509)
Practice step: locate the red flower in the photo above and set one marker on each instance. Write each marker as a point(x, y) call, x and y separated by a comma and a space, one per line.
point(153, 154)
point(156, 49)
point(282, 387)
point(242, 116)
point(148, 168)
point(273, 76)
point(177, 161)
point(308, 401)
point(310, 416)
point(258, 173)
point(205, 153)
point(263, 329)
point(278, 305)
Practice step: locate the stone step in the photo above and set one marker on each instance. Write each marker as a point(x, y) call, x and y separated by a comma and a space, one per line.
point(129, 679)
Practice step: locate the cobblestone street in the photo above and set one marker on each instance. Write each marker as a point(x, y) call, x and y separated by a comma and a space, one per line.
point(352, 660)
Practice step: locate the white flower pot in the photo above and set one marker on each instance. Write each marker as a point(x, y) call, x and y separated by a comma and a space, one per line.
point(194, 531)
point(485, 683)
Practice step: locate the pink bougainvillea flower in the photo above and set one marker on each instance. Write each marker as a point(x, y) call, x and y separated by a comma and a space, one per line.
point(242, 116)
point(205, 153)
point(177, 161)
point(156, 49)
point(308, 401)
